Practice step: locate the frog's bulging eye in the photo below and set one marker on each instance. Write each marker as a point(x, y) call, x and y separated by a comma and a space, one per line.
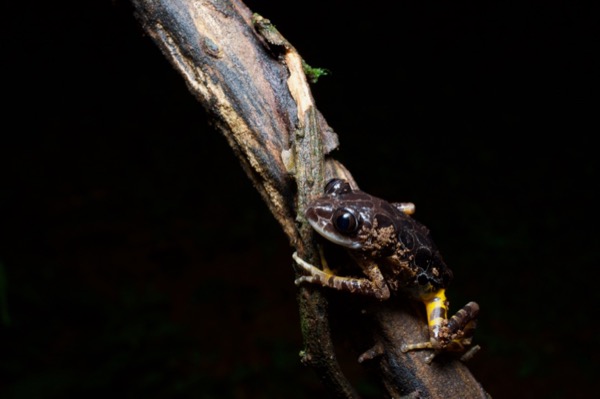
point(337, 187)
point(345, 221)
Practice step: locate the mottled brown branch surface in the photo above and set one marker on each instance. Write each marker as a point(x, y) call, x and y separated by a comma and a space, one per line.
point(250, 81)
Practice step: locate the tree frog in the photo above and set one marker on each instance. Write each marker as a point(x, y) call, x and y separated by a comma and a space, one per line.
point(397, 256)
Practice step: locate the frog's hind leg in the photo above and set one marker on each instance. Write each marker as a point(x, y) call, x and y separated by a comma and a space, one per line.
point(447, 335)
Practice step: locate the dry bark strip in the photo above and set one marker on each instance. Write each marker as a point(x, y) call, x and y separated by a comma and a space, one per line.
point(250, 81)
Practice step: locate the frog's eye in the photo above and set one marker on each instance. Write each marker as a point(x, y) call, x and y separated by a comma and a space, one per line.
point(345, 221)
point(337, 187)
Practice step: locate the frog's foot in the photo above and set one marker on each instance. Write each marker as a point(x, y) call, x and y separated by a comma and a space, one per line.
point(453, 335)
point(325, 278)
point(315, 275)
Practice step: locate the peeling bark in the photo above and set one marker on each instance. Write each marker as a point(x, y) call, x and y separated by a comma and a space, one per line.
point(250, 81)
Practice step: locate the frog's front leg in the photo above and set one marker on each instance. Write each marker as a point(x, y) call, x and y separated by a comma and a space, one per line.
point(373, 286)
point(453, 334)
point(407, 208)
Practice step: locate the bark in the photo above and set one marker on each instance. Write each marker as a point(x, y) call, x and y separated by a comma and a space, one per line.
point(251, 82)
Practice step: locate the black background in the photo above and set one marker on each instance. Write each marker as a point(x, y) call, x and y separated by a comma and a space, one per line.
point(137, 260)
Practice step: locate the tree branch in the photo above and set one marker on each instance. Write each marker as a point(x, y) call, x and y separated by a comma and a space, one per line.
point(250, 80)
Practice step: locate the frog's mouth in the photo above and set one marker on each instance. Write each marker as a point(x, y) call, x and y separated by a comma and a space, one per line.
point(325, 229)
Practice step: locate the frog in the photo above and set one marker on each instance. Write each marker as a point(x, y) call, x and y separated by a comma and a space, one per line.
point(397, 257)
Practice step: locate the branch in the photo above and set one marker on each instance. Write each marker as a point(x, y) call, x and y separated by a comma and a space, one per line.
point(250, 80)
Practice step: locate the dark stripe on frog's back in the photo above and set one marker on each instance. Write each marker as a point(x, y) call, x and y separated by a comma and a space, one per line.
point(415, 238)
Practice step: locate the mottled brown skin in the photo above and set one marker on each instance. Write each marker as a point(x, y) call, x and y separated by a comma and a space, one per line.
point(397, 256)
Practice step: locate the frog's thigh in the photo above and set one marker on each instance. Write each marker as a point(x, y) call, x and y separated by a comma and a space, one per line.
point(376, 288)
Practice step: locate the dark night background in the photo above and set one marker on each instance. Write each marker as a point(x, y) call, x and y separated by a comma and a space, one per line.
point(136, 260)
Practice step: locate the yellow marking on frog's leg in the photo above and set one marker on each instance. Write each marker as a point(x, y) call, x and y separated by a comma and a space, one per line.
point(436, 307)
point(376, 288)
point(452, 335)
point(324, 264)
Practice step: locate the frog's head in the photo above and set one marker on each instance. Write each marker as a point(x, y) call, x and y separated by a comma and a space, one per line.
point(342, 215)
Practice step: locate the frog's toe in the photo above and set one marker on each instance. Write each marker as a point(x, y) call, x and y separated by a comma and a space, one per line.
point(468, 355)
point(302, 263)
point(429, 358)
point(306, 279)
point(411, 347)
point(372, 353)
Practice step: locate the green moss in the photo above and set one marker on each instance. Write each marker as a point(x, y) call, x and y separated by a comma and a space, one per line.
point(313, 74)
